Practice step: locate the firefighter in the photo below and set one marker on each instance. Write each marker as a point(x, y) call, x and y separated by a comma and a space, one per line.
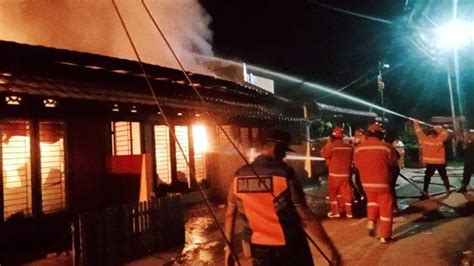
point(338, 155)
point(398, 144)
point(274, 214)
point(433, 153)
point(373, 159)
point(468, 149)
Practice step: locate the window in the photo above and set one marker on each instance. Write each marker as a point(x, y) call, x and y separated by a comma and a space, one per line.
point(17, 195)
point(254, 138)
point(182, 171)
point(53, 190)
point(18, 175)
point(244, 137)
point(164, 146)
point(200, 148)
point(162, 154)
point(125, 138)
point(223, 142)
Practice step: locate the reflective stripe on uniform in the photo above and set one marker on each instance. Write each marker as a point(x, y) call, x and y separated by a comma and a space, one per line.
point(342, 148)
point(433, 159)
point(372, 148)
point(348, 204)
point(333, 202)
point(372, 204)
point(385, 219)
point(339, 175)
point(431, 143)
point(374, 185)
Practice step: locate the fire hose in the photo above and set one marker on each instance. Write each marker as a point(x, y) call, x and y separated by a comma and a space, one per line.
point(427, 194)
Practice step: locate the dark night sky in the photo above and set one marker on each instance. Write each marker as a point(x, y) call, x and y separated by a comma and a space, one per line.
point(303, 39)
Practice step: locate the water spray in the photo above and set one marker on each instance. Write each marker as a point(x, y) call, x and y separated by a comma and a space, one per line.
point(360, 15)
point(317, 87)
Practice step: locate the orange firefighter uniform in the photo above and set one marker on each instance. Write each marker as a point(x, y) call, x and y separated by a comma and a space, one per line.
point(267, 205)
point(433, 154)
point(433, 146)
point(373, 158)
point(338, 155)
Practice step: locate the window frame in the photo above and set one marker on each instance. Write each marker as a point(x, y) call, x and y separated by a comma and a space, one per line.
point(113, 136)
point(35, 167)
point(174, 150)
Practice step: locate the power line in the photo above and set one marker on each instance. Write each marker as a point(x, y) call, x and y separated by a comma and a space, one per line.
point(261, 181)
point(149, 85)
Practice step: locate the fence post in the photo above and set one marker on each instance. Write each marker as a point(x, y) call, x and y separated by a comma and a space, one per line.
point(113, 235)
point(74, 246)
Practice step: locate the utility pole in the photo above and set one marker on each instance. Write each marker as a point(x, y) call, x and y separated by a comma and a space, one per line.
point(453, 114)
point(381, 87)
point(307, 162)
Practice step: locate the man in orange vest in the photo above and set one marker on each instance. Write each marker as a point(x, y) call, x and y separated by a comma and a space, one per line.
point(433, 153)
point(273, 209)
point(373, 158)
point(338, 155)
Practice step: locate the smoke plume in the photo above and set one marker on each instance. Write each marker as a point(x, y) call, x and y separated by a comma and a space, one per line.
point(93, 26)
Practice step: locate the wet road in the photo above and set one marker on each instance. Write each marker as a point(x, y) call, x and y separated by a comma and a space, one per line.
point(426, 234)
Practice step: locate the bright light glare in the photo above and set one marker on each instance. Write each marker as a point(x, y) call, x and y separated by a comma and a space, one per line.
point(200, 138)
point(456, 34)
point(16, 162)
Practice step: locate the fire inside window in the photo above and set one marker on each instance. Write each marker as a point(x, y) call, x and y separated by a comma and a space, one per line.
point(201, 146)
point(182, 171)
point(53, 190)
point(162, 153)
point(125, 138)
point(17, 172)
point(16, 168)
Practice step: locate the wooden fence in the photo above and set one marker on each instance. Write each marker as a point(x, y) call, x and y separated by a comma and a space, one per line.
point(115, 235)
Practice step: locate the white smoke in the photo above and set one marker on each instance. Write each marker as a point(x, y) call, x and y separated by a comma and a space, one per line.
point(93, 26)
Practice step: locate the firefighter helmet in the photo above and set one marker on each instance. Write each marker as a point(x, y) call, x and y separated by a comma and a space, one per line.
point(375, 127)
point(337, 132)
point(359, 132)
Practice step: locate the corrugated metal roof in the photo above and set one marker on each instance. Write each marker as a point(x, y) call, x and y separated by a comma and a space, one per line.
point(61, 74)
point(336, 109)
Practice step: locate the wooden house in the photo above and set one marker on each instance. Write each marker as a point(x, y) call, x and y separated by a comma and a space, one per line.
point(82, 132)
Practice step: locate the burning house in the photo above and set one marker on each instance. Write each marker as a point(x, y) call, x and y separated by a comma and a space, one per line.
point(82, 132)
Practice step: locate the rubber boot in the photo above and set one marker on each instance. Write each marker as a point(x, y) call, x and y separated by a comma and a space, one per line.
point(426, 184)
point(425, 189)
point(447, 186)
point(462, 189)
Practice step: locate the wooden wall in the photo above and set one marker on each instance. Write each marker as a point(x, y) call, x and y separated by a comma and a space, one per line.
point(87, 146)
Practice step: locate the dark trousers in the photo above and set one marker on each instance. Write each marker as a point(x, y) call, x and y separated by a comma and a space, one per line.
point(358, 187)
point(394, 171)
point(429, 172)
point(296, 254)
point(467, 173)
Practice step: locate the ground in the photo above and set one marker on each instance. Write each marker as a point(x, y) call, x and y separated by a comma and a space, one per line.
point(426, 233)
